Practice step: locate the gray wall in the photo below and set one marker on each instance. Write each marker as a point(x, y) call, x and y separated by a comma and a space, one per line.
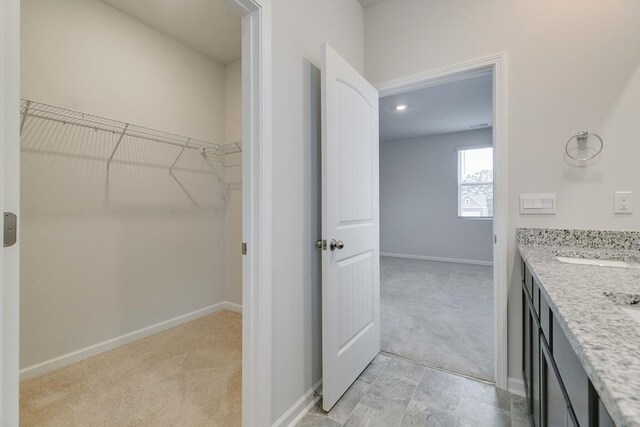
point(419, 199)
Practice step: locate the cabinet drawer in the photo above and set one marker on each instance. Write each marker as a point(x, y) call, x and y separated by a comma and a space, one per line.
point(528, 281)
point(572, 374)
point(535, 296)
point(545, 319)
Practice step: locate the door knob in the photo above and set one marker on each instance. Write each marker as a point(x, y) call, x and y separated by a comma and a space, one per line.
point(336, 244)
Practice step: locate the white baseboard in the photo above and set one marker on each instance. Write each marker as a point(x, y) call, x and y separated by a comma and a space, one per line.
point(85, 353)
point(232, 306)
point(433, 258)
point(516, 386)
point(299, 409)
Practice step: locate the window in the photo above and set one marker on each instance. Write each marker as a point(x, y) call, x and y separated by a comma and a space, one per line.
point(475, 182)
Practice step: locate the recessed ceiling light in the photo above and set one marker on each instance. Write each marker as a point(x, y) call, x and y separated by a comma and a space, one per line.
point(401, 107)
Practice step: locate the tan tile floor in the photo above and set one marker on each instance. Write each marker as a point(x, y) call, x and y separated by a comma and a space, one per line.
point(186, 376)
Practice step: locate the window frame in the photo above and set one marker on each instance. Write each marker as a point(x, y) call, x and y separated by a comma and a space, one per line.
point(459, 184)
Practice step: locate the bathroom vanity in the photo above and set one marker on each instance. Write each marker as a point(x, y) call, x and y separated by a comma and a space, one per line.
point(581, 344)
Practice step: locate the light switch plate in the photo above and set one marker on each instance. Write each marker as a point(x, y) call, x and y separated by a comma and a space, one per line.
point(538, 204)
point(623, 202)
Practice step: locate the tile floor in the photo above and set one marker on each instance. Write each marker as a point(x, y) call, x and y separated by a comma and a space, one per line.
point(393, 391)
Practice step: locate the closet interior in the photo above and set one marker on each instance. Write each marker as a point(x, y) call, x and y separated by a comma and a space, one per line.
point(131, 210)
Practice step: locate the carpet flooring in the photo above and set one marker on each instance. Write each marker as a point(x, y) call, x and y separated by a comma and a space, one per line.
point(190, 375)
point(439, 314)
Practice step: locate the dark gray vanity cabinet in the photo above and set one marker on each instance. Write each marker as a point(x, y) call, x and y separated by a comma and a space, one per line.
point(573, 375)
point(604, 419)
point(558, 389)
point(556, 410)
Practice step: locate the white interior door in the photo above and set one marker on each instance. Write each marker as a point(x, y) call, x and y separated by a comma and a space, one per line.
point(9, 201)
point(350, 226)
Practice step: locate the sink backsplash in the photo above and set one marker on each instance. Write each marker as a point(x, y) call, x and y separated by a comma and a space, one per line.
point(587, 239)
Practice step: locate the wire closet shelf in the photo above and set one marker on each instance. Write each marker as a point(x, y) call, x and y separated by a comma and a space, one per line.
point(214, 154)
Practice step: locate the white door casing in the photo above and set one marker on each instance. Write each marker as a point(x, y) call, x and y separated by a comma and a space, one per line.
point(350, 214)
point(495, 64)
point(9, 201)
point(257, 105)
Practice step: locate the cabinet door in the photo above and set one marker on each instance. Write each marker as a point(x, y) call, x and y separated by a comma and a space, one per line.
point(604, 419)
point(555, 409)
point(574, 377)
point(535, 368)
point(526, 349)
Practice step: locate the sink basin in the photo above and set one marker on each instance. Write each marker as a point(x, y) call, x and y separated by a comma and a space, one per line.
point(632, 311)
point(628, 302)
point(598, 262)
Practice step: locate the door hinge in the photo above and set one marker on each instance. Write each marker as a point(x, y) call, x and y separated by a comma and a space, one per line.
point(10, 229)
point(244, 248)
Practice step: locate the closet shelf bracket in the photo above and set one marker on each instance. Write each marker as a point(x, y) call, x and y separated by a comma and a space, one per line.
point(124, 131)
point(24, 115)
point(179, 155)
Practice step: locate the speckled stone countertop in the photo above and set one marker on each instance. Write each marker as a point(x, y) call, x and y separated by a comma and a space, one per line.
point(606, 340)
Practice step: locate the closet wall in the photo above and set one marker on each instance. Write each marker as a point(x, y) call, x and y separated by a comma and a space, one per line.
point(107, 254)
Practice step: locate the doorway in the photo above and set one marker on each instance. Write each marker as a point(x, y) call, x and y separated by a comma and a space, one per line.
point(255, 102)
point(131, 217)
point(494, 66)
point(436, 226)
point(392, 389)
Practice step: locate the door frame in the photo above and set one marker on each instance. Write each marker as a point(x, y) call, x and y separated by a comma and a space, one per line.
point(9, 201)
point(495, 64)
point(257, 210)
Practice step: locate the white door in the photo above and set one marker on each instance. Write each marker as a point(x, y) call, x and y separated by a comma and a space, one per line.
point(350, 226)
point(9, 201)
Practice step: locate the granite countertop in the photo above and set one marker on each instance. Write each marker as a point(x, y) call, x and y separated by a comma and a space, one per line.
point(606, 340)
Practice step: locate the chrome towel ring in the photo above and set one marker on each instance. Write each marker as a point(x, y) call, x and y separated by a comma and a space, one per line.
point(582, 151)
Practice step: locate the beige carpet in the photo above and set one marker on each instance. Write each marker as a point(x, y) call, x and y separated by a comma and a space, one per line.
point(186, 376)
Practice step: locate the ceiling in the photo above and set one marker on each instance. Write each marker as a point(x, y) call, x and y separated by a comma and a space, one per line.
point(367, 3)
point(451, 107)
point(210, 27)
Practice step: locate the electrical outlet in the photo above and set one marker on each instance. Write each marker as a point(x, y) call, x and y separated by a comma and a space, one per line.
point(623, 202)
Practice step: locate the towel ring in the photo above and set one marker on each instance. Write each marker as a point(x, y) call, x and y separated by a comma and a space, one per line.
point(582, 140)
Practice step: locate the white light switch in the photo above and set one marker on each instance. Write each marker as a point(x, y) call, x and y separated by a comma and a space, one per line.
point(533, 204)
